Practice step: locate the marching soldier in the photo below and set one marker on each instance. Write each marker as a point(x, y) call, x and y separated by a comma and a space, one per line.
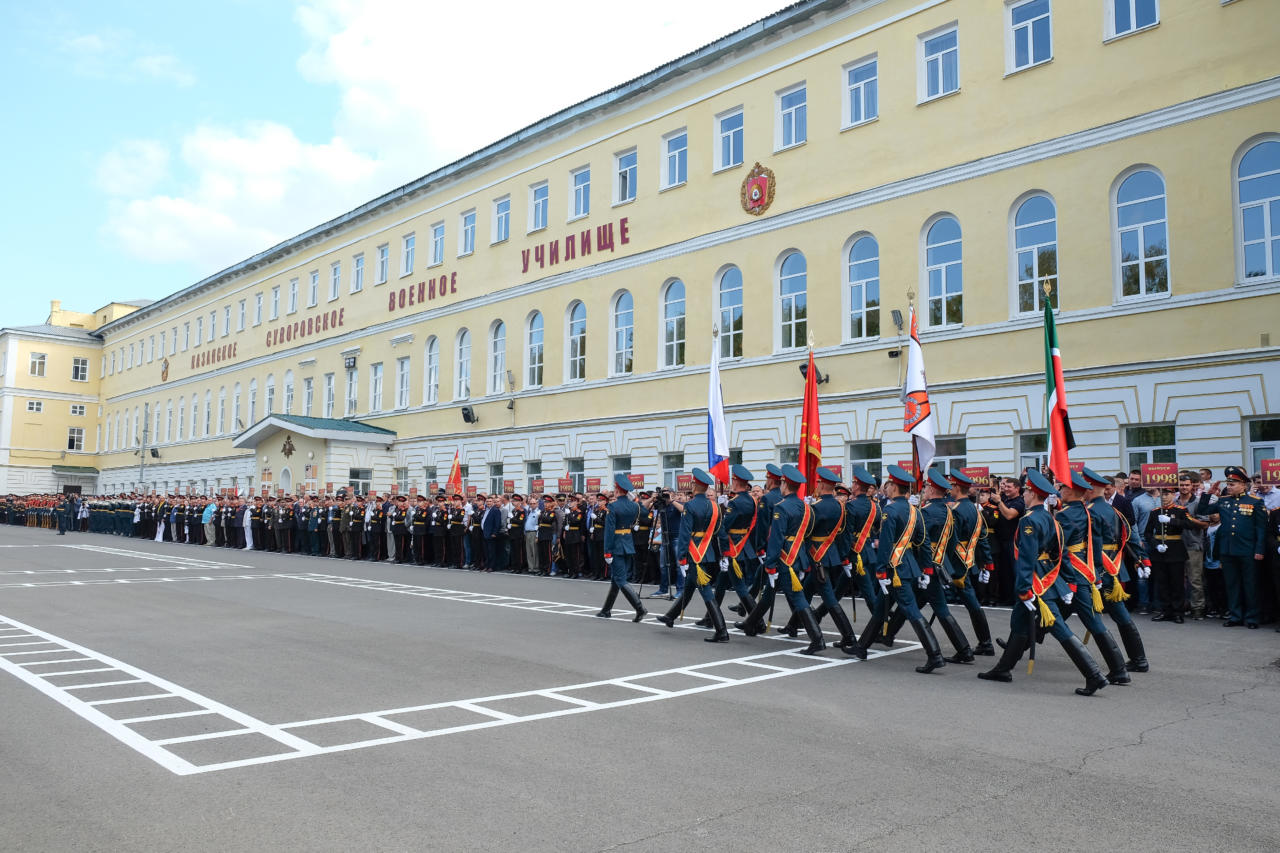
point(1239, 545)
point(741, 516)
point(969, 548)
point(827, 546)
point(1040, 587)
point(702, 543)
point(619, 548)
point(861, 528)
point(1111, 539)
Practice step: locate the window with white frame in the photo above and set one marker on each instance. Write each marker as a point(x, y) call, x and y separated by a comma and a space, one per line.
point(576, 342)
point(75, 438)
point(313, 288)
point(375, 387)
point(226, 320)
point(867, 454)
point(576, 471)
point(673, 317)
point(253, 402)
point(241, 310)
point(275, 302)
point(235, 408)
point(675, 158)
point(1029, 28)
point(1258, 197)
point(37, 364)
point(793, 122)
point(431, 372)
point(467, 233)
point(1033, 450)
point(213, 331)
point(151, 349)
point(950, 453)
point(407, 244)
point(729, 293)
point(383, 263)
point(1150, 443)
point(329, 393)
point(353, 392)
point(182, 419)
point(208, 413)
point(497, 357)
point(532, 471)
point(168, 415)
point(495, 478)
point(288, 392)
point(793, 313)
point(437, 244)
point(501, 219)
point(162, 341)
point(462, 366)
point(580, 192)
point(402, 382)
point(625, 168)
point(539, 196)
point(624, 327)
point(729, 134)
point(80, 369)
point(672, 468)
point(293, 295)
point(620, 465)
point(199, 338)
point(222, 410)
point(357, 273)
point(1035, 253)
point(35, 406)
point(939, 63)
point(1142, 234)
point(1129, 16)
point(944, 272)
point(308, 395)
point(533, 352)
point(257, 313)
point(862, 85)
point(864, 288)
point(1264, 441)
point(77, 410)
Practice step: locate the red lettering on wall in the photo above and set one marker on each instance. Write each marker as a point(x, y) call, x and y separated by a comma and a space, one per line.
point(413, 292)
point(584, 242)
point(402, 298)
point(553, 256)
point(624, 231)
point(604, 237)
point(524, 260)
point(570, 247)
point(422, 289)
point(453, 282)
point(540, 254)
point(433, 288)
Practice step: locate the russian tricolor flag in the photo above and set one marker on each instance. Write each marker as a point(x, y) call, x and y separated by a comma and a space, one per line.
point(717, 433)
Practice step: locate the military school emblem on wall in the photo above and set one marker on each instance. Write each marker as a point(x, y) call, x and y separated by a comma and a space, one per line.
point(164, 370)
point(757, 190)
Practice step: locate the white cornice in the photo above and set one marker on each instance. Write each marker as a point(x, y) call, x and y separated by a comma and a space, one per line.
point(37, 394)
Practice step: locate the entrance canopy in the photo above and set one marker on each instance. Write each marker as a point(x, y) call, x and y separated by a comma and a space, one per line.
point(330, 429)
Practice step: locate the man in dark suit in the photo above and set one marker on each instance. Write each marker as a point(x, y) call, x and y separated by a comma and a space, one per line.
point(490, 531)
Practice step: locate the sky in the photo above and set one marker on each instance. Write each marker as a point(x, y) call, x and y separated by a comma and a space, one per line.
point(151, 144)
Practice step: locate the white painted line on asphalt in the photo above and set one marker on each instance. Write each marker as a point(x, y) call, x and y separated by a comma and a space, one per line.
point(206, 736)
point(42, 662)
point(488, 712)
point(100, 684)
point(135, 581)
point(112, 569)
point(41, 643)
point(156, 558)
point(131, 699)
point(131, 720)
point(79, 671)
point(391, 724)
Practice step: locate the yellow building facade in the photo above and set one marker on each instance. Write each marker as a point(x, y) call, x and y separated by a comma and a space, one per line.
point(546, 305)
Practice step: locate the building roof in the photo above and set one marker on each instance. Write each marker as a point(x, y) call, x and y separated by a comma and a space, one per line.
point(136, 303)
point(54, 331)
point(81, 470)
point(324, 428)
point(703, 56)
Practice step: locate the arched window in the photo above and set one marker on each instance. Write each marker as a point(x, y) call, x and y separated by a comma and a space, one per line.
point(168, 420)
point(944, 272)
point(110, 435)
point(793, 312)
point(497, 357)
point(730, 296)
point(462, 366)
point(208, 414)
point(864, 288)
point(576, 342)
point(235, 422)
point(195, 416)
point(253, 403)
point(182, 418)
point(1258, 195)
point(119, 434)
point(533, 356)
point(128, 431)
point(1035, 253)
point(222, 410)
point(673, 317)
point(288, 392)
point(1142, 231)
point(624, 328)
point(156, 433)
point(431, 375)
point(270, 403)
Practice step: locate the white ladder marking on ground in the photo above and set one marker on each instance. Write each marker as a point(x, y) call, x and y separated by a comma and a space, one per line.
point(132, 581)
point(156, 558)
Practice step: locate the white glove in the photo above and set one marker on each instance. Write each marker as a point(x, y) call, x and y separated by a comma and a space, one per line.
point(1163, 519)
point(722, 500)
point(884, 585)
point(1066, 599)
point(724, 564)
point(1162, 547)
point(1144, 572)
point(608, 561)
point(848, 570)
point(914, 500)
point(635, 528)
point(923, 583)
point(1051, 501)
point(773, 579)
point(1030, 603)
point(984, 576)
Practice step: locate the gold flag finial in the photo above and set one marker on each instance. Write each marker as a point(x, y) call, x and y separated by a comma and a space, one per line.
point(1048, 289)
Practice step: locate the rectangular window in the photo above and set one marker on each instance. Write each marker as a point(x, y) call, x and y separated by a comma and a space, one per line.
point(406, 253)
point(335, 276)
point(580, 192)
point(620, 465)
point(437, 244)
point(940, 64)
point(539, 195)
point(495, 478)
point(729, 139)
point(863, 101)
point(380, 274)
point(293, 295)
point(793, 123)
point(672, 467)
point(375, 387)
point(467, 233)
point(532, 471)
point(949, 453)
point(576, 472)
point(275, 302)
point(1155, 443)
point(867, 454)
point(35, 406)
point(1264, 442)
point(75, 438)
point(240, 319)
point(353, 392)
point(788, 455)
point(80, 368)
point(625, 187)
point(360, 480)
point(501, 219)
point(151, 349)
point(162, 341)
point(402, 383)
point(675, 158)
point(308, 395)
point(328, 395)
point(213, 331)
point(1033, 450)
point(186, 336)
point(226, 321)
point(257, 310)
point(77, 410)
point(1029, 33)
point(534, 353)
point(357, 273)
point(1128, 16)
point(313, 289)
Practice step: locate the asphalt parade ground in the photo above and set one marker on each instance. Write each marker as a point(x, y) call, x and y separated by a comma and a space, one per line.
point(162, 697)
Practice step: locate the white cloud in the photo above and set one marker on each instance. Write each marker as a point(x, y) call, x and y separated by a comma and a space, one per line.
point(133, 167)
point(163, 66)
point(118, 54)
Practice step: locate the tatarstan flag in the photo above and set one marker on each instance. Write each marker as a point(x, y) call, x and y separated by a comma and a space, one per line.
point(1055, 402)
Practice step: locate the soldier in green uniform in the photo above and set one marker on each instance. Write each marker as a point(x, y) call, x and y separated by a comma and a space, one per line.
point(1113, 543)
point(1239, 545)
point(619, 548)
point(969, 550)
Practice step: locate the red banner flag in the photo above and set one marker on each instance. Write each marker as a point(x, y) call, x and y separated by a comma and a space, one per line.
point(454, 484)
point(810, 431)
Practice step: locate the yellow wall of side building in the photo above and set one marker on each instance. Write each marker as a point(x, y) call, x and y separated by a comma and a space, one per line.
point(36, 437)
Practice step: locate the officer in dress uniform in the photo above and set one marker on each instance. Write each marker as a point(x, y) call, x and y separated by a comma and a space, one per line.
point(1112, 541)
point(1239, 545)
point(515, 535)
point(400, 528)
point(700, 549)
point(1169, 556)
point(596, 548)
point(575, 522)
point(861, 529)
point(437, 529)
point(619, 548)
point(969, 549)
point(786, 561)
point(1081, 571)
point(902, 535)
point(645, 564)
point(455, 531)
point(1040, 588)
point(417, 521)
point(764, 517)
point(827, 548)
point(739, 522)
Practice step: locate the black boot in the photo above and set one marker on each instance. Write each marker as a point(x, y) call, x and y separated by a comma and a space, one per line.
point(842, 624)
point(1014, 648)
point(634, 601)
point(791, 628)
point(704, 622)
point(819, 612)
point(870, 634)
point(744, 606)
point(1133, 648)
point(1093, 679)
point(1116, 671)
point(964, 654)
point(717, 622)
point(669, 618)
point(896, 621)
point(982, 631)
point(607, 611)
point(754, 622)
point(816, 643)
point(931, 647)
